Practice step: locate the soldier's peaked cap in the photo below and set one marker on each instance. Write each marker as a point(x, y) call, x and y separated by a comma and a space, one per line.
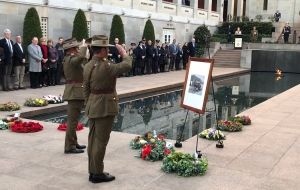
point(100, 41)
point(70, 43)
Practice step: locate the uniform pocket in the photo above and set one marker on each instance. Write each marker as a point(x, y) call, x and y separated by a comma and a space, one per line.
point(112, 105)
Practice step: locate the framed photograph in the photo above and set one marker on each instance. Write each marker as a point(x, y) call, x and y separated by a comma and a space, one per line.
point(196, 85)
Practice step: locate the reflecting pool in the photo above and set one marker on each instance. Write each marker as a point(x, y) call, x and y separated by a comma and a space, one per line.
point(163, 113)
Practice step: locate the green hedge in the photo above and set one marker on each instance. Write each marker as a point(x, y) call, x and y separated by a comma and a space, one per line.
point(80, 29)
point(222, 38)
point(246, 27)
point(117, 30)
point(31, 27)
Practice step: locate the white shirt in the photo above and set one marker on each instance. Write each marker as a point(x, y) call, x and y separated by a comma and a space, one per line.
point(20, 47)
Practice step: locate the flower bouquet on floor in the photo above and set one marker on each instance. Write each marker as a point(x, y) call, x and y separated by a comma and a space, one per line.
point(25, 127)
point(184, 164)
point(63, 127)
point(51, 99)
point(230, 126)
point(245, 120)
point(9, 106)
point(212, 134)
point(36, 102)
point(152, 147)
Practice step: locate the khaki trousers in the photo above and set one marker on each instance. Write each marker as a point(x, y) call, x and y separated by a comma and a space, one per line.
point(74, 109)
point(19, 76)
point(100, 129)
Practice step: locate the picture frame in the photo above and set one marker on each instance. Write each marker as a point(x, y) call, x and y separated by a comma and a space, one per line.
point(196, 85)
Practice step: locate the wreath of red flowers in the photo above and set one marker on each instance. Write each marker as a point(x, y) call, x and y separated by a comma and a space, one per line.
point(25, 127)
point(63, 127)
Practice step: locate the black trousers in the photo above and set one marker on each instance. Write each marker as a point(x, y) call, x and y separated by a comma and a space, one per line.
point(6, 75)
point(52, 74)
point(59, 72)
point(35, 79)
point(149, 65)
point(172, 62)
point(286, 38)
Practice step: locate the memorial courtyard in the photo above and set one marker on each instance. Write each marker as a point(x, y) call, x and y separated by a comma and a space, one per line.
point(265, 155)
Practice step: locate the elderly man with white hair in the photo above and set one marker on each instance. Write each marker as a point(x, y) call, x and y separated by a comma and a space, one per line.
point(7, 44)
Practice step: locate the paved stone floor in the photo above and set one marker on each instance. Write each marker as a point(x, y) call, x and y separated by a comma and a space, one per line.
point(265, 155)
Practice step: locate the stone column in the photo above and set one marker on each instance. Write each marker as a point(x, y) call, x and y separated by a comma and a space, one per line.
point(207, 6)
point(240, 6)
point(230, 10)
point(178, 6)
point(158, 4)
point(194, 6)
point(220, 9)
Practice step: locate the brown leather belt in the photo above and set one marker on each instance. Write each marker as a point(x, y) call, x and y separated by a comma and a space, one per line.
point(103, 91)
point(73, 81)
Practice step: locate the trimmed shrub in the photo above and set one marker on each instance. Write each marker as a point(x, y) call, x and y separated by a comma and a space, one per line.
point(32, 26)
point(201, 33)
point(149, 31)
point(246, 27)
point(117, 30)
point(80, 29)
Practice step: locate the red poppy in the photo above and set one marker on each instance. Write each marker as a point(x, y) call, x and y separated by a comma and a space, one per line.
point(26, 127)
point(146, 150)
point(63, 127)
point(167, 151)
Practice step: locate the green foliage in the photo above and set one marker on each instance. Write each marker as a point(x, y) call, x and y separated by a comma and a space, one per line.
point(117, 30)
point(184, 164)
point(222, 38)
point(149, 33)
point(259, 18)
point(80, 29)
point(246, 27)
point(32, 26)
point(201, 33)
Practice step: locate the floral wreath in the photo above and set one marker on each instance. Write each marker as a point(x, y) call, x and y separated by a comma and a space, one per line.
point(25, 127)
point(245, 120)
point(212, 134)
point(9, 106)
point(184, 164)
point(230, 126)
point(3, 125)
point(51, 99)
point(63, 127)
point(152, 147)
point(36, 102)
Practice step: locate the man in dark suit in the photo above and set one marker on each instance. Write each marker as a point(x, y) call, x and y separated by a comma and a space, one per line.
point(192, 47)
point(140, 58)
point(7, 45)
point(114, 53)
point(19, 63)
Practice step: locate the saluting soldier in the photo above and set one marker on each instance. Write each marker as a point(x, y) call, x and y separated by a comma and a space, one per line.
point(101, 102)
point(73, 64)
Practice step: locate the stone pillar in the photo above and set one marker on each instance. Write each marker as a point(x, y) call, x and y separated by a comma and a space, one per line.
point(158, 4)
point(207, 6)
point(194, 5)
point(220, 9)
point(240, 6)
point(230, 10)
point(178, 6)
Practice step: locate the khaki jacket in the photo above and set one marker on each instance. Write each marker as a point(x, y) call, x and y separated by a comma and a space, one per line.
point(100, 75)
point(73, 70)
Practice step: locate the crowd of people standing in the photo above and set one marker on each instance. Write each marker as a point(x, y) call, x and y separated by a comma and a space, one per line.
point(44, 60)
point(154, 57)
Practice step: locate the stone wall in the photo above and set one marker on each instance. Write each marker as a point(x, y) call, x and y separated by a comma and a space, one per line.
point(60, 20)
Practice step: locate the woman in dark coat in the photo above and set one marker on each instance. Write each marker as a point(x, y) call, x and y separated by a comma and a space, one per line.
point(185, 54)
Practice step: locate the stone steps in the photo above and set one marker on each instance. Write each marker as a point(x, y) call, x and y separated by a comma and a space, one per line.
point(227, 58)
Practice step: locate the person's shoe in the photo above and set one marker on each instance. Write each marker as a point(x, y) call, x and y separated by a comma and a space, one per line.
point(80, 146)
point(99, 178)
point(91, 175)
point(74, 151)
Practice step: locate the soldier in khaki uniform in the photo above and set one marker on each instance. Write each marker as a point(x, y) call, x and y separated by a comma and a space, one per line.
point(73, 69)
point(101, 102)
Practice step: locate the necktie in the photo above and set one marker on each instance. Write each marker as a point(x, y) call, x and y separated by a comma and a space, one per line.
point(9, 45)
